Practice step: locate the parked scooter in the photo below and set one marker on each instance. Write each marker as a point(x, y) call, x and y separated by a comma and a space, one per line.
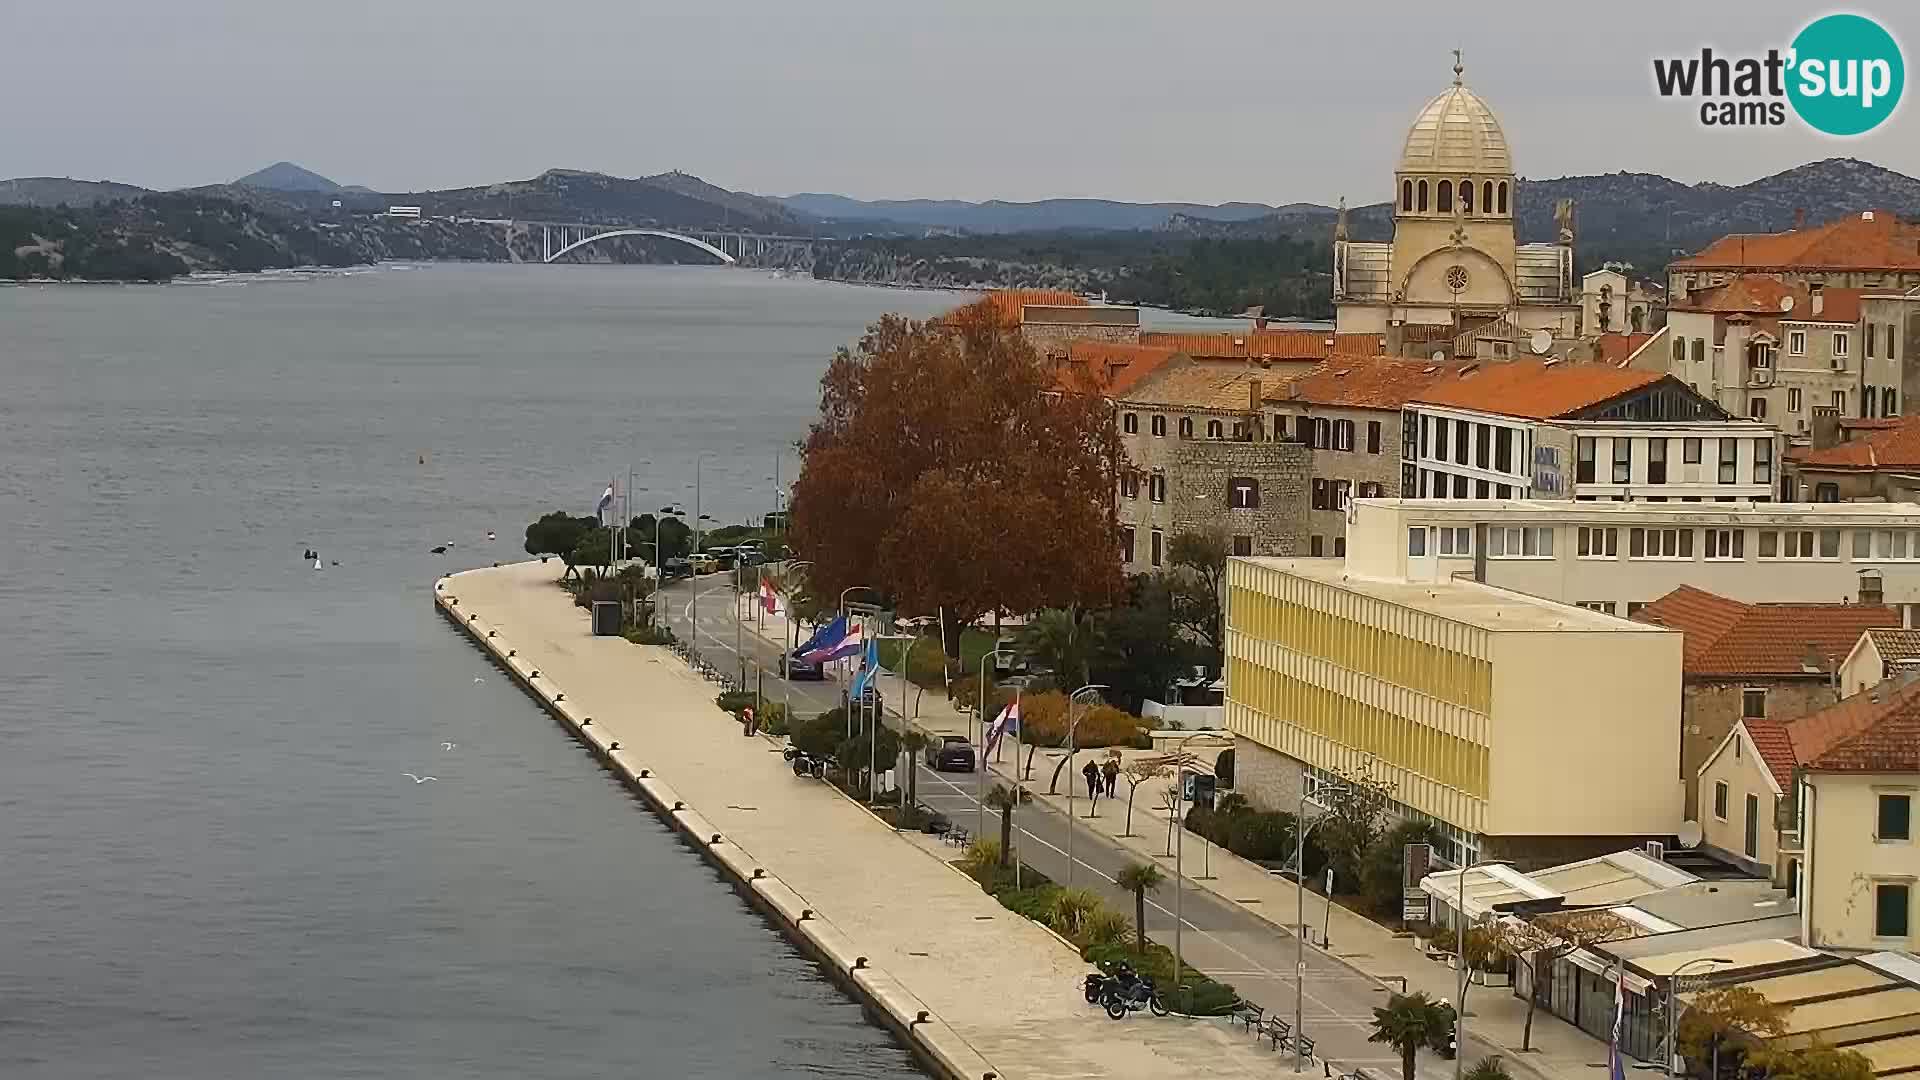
point(1447, 1045)
point(1110, 971)
point(805, 764)
point(1121, 999)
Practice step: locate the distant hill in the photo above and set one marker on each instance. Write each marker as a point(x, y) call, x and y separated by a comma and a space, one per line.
point(672, 199)
point(998, 216)
point(286, 176)
point(58, 190)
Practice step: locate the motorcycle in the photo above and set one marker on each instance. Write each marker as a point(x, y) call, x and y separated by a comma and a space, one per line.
point(1096, 982)
point(1447, 1045)
point(1121, 999)
point(805, 764)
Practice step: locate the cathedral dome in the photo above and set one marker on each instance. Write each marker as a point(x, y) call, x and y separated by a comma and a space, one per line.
point(1456, 133)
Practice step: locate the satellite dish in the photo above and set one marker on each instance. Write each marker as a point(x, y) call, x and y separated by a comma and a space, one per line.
point(1690, 834)
point(1438, 356)
point(1786, 303)
point(1542, 341)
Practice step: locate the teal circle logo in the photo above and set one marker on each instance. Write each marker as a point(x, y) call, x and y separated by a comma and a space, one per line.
point(1846, 74)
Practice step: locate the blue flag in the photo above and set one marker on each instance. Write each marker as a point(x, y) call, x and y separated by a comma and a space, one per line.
point(869, 667)
point(837, 628)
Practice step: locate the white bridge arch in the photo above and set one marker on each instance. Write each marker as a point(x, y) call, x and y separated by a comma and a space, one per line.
point(552, 253)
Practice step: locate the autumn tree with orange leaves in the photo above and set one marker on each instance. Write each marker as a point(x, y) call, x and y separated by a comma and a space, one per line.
point(944, 473)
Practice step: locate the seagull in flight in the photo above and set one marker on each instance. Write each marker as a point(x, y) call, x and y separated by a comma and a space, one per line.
point(419, 779)
point(477, 678)
point(447, 745)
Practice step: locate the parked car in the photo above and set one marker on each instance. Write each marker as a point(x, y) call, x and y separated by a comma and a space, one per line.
point(723, 557)
point(951, 752)
point(675, 569)
point(704, 563)
point(798, 668)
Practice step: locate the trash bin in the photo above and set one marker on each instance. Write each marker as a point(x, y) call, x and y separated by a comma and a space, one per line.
point(606, 618)
point(1200, 789)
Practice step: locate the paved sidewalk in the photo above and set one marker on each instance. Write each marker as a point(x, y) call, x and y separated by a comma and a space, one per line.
point(1495, 1015)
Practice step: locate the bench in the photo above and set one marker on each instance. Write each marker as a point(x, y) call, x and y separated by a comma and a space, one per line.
point(1275, 1029)
point(1305, 1046)
point(1248, 1013)
point(958, 836)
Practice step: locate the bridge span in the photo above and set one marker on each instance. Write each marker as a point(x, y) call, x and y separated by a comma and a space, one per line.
point(559, 238)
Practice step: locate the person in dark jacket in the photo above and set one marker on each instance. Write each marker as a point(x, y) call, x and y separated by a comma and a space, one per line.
point(1092, 773)
point(1110, 772)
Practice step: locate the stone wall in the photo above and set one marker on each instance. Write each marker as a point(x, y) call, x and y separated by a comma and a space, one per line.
point(1197, 485)
point(1356, 466)
point(1268, 778)
point(1710, 709)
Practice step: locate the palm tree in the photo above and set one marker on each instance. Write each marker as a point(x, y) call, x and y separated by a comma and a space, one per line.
point(1004, 799)
point(914, 742)
point(1140, 879)
point(1407, 1022)
point(1066, 642)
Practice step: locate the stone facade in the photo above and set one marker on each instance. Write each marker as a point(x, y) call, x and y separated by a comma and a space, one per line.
point(1356, 455)
point(1051, 329)
point(1710, 708)
point(1268, 778)
point(1180, 483)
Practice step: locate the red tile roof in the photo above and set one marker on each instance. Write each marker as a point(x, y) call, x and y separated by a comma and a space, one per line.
point(1726, 638)
point(1770, 738)
point(1896, 646)
point(1267, 344)
point(1110, 368)
point(1875, 240)
point(1616, 348)
point(1011, 304)
point(1370, 382)
point(1876, 730)
point(1759, 294)
point(1535, 388)
point(1893, 448)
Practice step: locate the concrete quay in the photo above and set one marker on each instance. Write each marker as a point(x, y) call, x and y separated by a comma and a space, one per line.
point(972, 989)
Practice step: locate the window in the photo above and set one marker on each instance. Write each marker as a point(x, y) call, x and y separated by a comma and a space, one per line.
point(1796, 343)
point(1369, 490)
point(1868, 337)
point(1503, 196)
point(1840, 400)
point(1279, 427)
point(1417, 542)
point(1605, 607)
point(1839, 349)
point(1466, 196)
point(1186, 427)
point(1422, 200)
point(1599, 543)
point(1826, 493)
point(1456, 541)
point(1443, 200)
point(1126, 541)
point(1440, 428)
point(1319, 494)
point(1159, 545)
point(1762, 356)
point(1699, 349)
point(1317, 546)
point(1829, 543)
point(1461, 433)
point(1896, 818)
point(1130, 484)
point(1757, 407)
point(1583, 461)
point(1340, 491)
point(1720, 799)
point(1753, 703)
point(1622, 459)
point(1160, 425)
point(1634, 606)
point(1656, 461)
point(1214, 429)
point(1406, 196)
point(1243, 493)
point(1729, 461)
point(1459, 487)
point(1343, 435)
point(1373, 436)
point(1482, 489)
point(1763, 461)
point(1322, 433)
point(1726, 543)
point(1890, 909)
point(1660, 543)
point(1502, 491)
point(1679, 351)
point(1888, 544)
point(1482, 445)
point(1515, 542)
point(1243, 546)
point(1690, 451)
point(1486, 197)
point(1752, 837)
point(1339, 547)
point(1503, 449)
point(1130, 423)
point(1793, 399)
point(1157, 487)
point(1791, 544)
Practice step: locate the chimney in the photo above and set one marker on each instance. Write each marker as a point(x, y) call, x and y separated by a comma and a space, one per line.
point(1799, 217)
point(1870, 588)
point(1818, 293)
point(1253, 395)
point(1260, 322)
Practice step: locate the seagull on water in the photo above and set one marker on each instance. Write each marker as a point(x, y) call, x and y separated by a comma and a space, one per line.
point(418, 779)
point(447, 745)
point(477, 678)
point(441, 550)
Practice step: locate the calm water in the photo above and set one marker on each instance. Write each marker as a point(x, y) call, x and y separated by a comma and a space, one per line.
point(210, 863)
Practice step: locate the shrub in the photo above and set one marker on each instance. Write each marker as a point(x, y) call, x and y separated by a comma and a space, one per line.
point(1489, 1068)
point(1033, 902)
point(734, 701)
point(651, 635)
point(1108, 926)
point(1043, 722)
point(1072, 910)
point(981, 860)
point(1263, 836)
point(820, 735)
point(773, 718)
point(1381, 870)
point(1223, 768)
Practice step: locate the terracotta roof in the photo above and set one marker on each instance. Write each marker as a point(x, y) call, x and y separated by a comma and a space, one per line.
point(1197, 384)
point(1266, 344)
point(1876, 730)
point(1726, 638)
point(1010, 304)
point(1109, 367)
point(1875, 240)
point(1535, 388)
point(1615, 348)
point(1759, 294)
point(1376, 382)
point(1770, 738)
point(1893, 448)
point(1896, 646)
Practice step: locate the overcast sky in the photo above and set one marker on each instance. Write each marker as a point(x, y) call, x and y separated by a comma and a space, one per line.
point(1262, 100)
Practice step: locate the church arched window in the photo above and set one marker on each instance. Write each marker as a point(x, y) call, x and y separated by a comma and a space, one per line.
point(1443, 198)
point(1466, 196)
point(1423, 196)
point(1406, 195)
point(1486, 197)
point(1503, 196)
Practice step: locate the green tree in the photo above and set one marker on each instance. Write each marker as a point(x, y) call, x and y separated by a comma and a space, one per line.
point(1714, 1022)
point(1539, 943)
point(1380, 875)
point(675, 537)
point(1197, 582)
point(1139, 879)
point(593, 548)
point(1408, 1022)
point(559, 534)
point(1145, 651)
point(877, 744)
point(1815, 1062)
point(1066, 642)
point(1005, 800)
point(1356, 812)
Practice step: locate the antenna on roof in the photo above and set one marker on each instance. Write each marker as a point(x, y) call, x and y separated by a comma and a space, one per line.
point(1786, 303)
point(1542, 340)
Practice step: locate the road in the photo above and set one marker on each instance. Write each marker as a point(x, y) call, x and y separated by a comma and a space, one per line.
point(1223, 939)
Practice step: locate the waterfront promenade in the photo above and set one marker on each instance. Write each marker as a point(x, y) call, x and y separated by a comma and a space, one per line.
point(1004, 985)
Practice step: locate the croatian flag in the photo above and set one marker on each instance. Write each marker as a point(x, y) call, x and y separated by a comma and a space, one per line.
point(768, 601)
point(1008, 720)
point(839, 639)
point(606, 501)
point(1616, 1062)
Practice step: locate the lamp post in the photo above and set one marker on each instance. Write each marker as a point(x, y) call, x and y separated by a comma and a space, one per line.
point(1460, 957)
point(1673, 984)
point(980, 766)
point(659, 564)
point(880, 716)
point(1073, 722)
point(1300, 920)
point(842, 608)
point(1179, 785)
point(789, 644)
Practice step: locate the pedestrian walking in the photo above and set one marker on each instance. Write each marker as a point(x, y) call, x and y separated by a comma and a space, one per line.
point(1092, 773)
point(1110, 772)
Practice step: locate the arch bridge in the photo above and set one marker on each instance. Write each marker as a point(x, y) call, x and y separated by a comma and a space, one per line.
point(559, 240)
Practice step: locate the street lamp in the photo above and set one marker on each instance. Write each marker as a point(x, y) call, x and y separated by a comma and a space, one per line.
point(1073, 722)
point(1460, 957)
point(980, 712)
point(1673, 984)
point(880, 720)
point(1180, 786)
point(659, 565)
point(1300, 832)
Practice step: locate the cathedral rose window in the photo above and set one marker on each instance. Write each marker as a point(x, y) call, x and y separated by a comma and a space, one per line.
point(1457, 278)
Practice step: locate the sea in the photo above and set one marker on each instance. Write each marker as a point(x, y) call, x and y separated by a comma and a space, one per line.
point(213, 863)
